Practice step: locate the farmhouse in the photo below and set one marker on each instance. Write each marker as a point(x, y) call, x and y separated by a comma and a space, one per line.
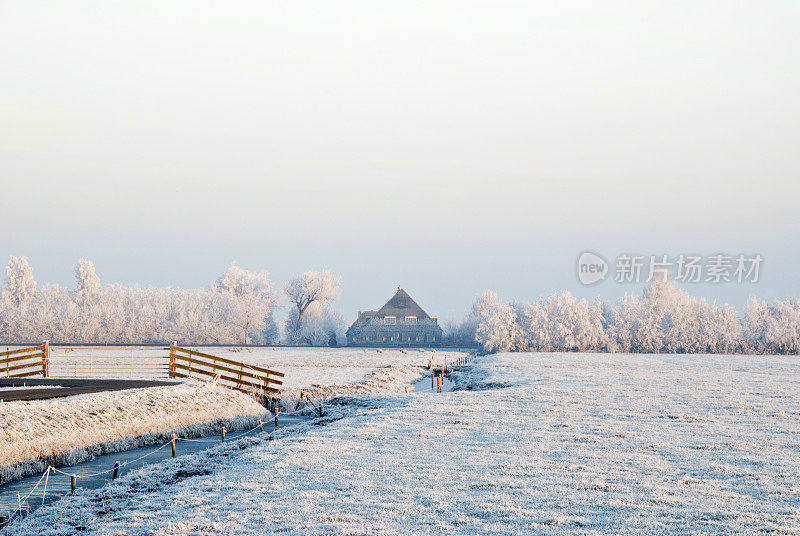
point(401, 322)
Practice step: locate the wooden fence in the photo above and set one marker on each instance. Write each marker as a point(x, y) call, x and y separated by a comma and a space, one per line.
point(117, 363)
point(236, 375)
point(23, 362)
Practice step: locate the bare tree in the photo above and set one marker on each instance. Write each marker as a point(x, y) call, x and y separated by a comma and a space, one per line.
point(309, 288)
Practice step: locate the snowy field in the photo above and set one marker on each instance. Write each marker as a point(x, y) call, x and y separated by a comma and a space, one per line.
point(531, 444)
point(308, 367)
point(66, 430)
point(304, 367)
point(71, 429)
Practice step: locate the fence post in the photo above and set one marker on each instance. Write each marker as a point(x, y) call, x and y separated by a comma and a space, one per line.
point(277, 412)
point(172, 345)
point(116, 471)
point(73, 483)
point(319, 409)
point(223, 434)
point(173, 445)
point(46, 359)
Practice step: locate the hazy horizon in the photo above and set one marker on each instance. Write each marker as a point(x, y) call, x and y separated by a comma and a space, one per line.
point(447, 148)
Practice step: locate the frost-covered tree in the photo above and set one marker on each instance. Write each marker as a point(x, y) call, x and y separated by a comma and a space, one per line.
point(236, 308)
point(755, 325)
point(498, 330)
point(306, 289)
point(561, 322)
point(247, 300)
point(322, 326)
point(783, 328)
point(667, 319)
point(462, 333)
point(88, 283)
point(483, 303)
point(664, 318)
point(20, 285)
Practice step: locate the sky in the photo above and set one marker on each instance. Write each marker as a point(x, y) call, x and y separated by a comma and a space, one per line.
point(448, 147)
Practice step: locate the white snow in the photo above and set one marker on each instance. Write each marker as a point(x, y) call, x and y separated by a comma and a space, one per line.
point(532, 444)
point(27, 388)
point(326, 367)
point(66, 430)
point(71, 429)
point(303, 367)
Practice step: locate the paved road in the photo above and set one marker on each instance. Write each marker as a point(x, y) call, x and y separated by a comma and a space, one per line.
point(66, 387)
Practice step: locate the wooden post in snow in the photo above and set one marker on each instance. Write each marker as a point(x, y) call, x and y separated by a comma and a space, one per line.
point(73, 483)
point(46, 359)
point(172, 345)
point(223, 434)
point(116, 471)
point(173, 445)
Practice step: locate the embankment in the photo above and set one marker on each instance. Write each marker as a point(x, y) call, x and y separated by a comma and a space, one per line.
point(68, 430)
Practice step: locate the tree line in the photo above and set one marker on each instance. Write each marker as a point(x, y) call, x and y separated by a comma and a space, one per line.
point(238, 308)
point(664, 319)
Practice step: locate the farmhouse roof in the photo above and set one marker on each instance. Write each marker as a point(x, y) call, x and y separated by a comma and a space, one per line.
point(401, 305)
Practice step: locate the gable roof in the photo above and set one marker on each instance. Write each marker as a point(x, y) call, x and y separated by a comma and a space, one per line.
point(401, 305)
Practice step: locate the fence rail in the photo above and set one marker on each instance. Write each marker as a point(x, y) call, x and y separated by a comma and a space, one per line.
point(109, 363)
point(260, 382)
point(31, 361)
point(236, 375)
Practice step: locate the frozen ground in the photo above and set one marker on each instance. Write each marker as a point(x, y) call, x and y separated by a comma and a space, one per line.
point(304, 367)
point(326, 367)
point(532, 444)
point(68, 430)
point(60, 431)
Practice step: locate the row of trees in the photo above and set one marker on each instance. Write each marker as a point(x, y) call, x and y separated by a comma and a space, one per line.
point(664, 319)
point(237, 309)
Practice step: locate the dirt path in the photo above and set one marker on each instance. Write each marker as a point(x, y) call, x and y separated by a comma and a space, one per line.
point(11, 389)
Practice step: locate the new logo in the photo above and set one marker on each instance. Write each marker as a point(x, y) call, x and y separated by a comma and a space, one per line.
point(592, 268)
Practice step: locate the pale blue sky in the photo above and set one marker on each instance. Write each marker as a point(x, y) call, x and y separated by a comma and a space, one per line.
point(448, 147)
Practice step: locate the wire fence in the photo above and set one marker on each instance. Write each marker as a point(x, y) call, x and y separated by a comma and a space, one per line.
point(24, 506)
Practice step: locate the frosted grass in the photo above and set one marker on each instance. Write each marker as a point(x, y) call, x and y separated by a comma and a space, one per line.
point(304, 367)
point(60, 431)
point(530, 444)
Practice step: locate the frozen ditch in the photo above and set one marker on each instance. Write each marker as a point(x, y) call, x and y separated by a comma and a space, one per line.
point(429, 384)
point(382, 383)
point(59, 484)
point(549, 444)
